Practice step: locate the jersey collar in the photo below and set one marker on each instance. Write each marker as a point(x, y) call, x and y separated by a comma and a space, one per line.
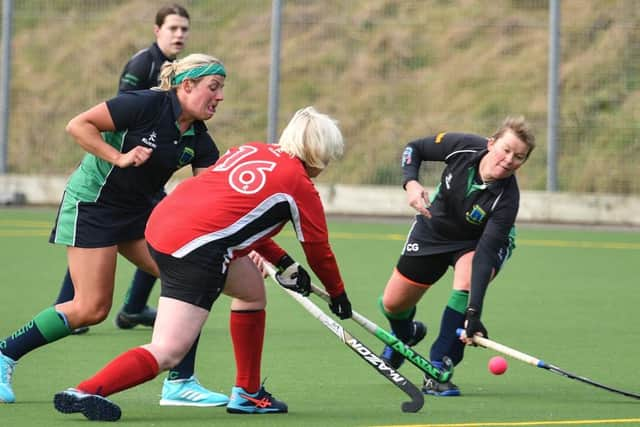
point(157, 52)
point(473, 165)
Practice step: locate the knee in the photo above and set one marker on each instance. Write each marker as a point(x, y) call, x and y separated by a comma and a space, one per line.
point(167, 356)
point(391, 304)
point(91, 313)
point(249, 303)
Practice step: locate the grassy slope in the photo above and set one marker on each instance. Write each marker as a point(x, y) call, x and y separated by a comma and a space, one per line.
point(390, 71)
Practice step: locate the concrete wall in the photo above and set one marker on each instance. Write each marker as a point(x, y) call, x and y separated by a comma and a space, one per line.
point(535, 206)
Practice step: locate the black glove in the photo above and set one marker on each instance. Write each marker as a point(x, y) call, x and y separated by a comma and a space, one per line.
point(292, 276)
point(341, 306)
point(474, 325)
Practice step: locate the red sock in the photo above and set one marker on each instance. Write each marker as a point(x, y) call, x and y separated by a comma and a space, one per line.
point(247, 334)
point(125, 371)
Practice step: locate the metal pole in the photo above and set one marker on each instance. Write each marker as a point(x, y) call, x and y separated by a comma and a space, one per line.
point(553, 103)
point(274, 78)
point(5, 88)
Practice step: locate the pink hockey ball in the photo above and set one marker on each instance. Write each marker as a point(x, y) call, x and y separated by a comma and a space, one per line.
point(497, 365)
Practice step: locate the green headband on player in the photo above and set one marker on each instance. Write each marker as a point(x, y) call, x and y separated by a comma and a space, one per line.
point(214, 69)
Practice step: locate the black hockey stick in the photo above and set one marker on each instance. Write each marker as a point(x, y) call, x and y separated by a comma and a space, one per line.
point(523, 357)
point(417, 398)
point(389, 339)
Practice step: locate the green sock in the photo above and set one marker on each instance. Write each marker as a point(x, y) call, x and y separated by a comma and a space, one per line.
point(400, 323)
point(46, 327)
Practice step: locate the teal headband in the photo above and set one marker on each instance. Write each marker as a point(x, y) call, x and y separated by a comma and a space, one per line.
point(205, 70)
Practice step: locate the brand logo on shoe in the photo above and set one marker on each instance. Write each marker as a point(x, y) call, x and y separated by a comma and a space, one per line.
point(260, 403)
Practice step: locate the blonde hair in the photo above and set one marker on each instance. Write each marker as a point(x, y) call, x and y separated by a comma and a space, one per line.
point(169, 70)
point(520, 128)
point(313, 137)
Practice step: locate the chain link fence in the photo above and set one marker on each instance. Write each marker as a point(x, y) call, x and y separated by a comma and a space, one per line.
point(389, 70)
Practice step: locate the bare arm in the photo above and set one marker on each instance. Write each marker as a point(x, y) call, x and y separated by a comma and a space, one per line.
point(85, 128)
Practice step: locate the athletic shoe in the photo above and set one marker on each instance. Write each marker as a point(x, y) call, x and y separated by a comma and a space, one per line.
point(126, 320)
point(435, 388)
point(7, 366)
point(395, 359)
point(260, 402)
point(81, 330)
point(92, 406)
point(189, 392)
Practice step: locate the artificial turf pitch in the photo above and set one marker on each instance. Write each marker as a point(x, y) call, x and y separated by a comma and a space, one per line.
point(567, 296)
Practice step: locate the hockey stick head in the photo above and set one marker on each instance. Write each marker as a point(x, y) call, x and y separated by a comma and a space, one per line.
point(415, 404)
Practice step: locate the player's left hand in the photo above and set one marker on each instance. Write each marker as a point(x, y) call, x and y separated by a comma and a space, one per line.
point(292, 276)
point(135, 157)
point(473, 325)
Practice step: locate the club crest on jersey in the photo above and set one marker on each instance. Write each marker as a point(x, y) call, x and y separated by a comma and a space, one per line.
point(406, 156)
point(476, 216)
point(186, 156)
point(150, 140)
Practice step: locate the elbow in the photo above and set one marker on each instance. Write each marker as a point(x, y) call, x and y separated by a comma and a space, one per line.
point(70, 127)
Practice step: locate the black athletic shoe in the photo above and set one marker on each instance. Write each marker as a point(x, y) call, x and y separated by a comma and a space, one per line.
point(92, 406)
point(260, 402)
point(435, 388)
point(395, 359)
point(126, 320)
point(80, 331)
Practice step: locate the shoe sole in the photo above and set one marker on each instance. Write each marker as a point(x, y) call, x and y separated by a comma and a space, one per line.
point(92, 407)
point(169, 402)
point(450, 393)
point(256, 412)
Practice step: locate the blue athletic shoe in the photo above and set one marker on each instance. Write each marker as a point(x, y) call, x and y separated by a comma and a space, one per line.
point(260, 402)
point(7, 366)
point(435, 388)
point(92, 406)
point(189, 392)
point(395, 359)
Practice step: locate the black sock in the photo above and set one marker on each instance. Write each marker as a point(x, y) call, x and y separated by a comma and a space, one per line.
point(139, 291)
point(66, 290)
point(401, 323)
point(186, 367)
point(448, 343)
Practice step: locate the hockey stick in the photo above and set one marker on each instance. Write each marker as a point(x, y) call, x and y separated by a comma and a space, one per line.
point(386, 337)
point(523, 357)
point(417, 398)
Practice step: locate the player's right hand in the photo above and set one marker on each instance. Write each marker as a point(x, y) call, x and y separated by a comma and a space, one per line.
point(341, 306)
point(418, 198)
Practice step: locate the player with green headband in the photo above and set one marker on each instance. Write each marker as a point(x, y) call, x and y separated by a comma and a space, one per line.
point(197, 72)
point(134, 144)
